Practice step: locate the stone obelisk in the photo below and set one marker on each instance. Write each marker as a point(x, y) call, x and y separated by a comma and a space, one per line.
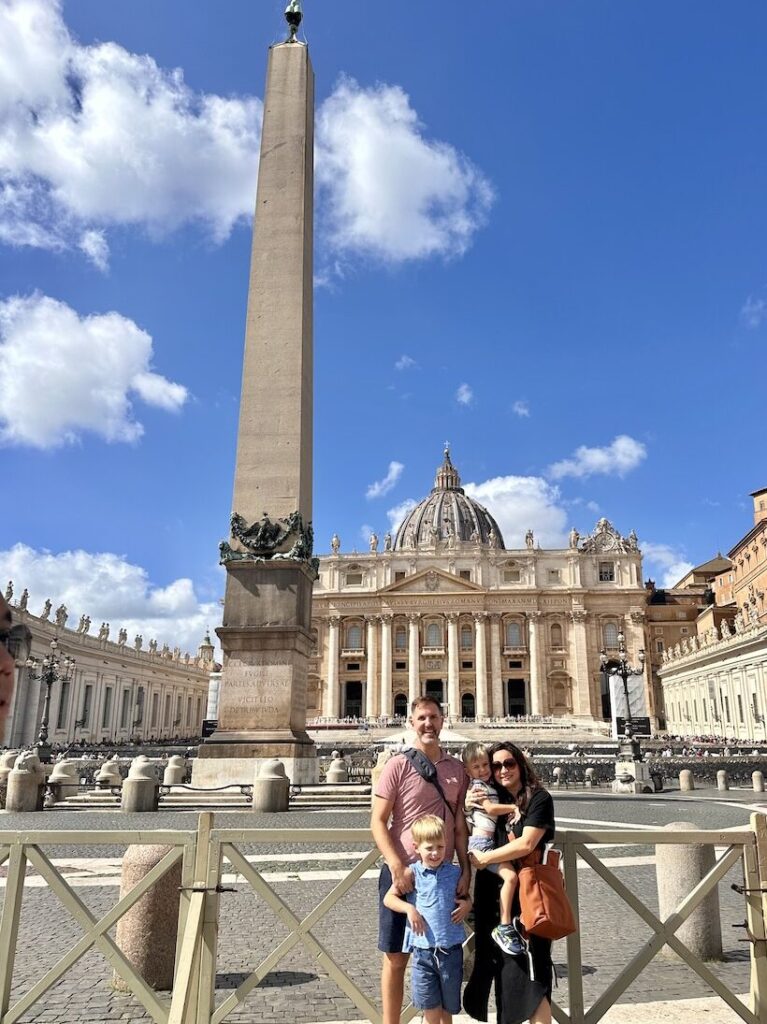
point(266, 631)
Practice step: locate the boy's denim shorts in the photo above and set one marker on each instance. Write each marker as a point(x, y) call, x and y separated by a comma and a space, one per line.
point(436, 978)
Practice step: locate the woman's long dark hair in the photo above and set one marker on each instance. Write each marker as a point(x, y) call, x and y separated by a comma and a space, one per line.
point(527, 776)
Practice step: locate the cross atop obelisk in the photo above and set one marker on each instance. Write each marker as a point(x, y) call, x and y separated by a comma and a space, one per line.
point(266, 633)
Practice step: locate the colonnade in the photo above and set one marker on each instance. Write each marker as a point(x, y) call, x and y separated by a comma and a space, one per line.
point(484, 680)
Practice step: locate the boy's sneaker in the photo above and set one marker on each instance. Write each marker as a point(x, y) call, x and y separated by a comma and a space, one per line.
point(507, 937)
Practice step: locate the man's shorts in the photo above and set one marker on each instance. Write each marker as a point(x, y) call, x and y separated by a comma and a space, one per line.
point(391, 924)
point(436, 978)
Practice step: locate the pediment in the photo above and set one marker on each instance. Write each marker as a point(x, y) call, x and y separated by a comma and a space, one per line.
point(432, 581)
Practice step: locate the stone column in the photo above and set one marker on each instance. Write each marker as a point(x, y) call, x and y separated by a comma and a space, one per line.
point(331, 706)
point(386, 694)
point(453, 681)
point(414, 659)
point(496, 671)
point(266, 632)
point(480, 663)
point(371, 697)
point(636, 642)
point(536, 688)
point(579, 665)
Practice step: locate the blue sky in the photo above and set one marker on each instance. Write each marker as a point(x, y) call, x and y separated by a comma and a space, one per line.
point(541, 236)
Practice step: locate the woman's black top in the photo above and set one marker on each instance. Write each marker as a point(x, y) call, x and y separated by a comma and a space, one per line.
point(517, 996)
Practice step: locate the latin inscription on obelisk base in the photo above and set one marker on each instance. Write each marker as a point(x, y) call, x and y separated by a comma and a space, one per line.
point(266, 632)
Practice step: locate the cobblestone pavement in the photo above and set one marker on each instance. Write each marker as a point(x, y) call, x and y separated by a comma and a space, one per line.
point(298, 990)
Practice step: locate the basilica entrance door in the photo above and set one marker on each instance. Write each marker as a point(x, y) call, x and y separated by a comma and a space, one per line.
point(435, 688)
point(353, 700)
point(400, 706)
point(515, 697)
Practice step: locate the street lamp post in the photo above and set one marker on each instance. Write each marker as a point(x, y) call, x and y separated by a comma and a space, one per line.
point(53, 667)
point(623, 670)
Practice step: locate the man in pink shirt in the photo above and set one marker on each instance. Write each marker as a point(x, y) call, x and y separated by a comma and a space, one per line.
point(401, 797)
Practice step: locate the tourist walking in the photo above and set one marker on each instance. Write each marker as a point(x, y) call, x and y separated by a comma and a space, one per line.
point(522, 984)
point(402, 796)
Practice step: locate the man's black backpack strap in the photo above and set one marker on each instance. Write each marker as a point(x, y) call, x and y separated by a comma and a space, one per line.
point(428, 771)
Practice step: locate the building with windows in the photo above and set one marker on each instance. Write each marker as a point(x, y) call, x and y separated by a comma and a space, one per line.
point(118, 692)
point(445, 608)
point(715, 680)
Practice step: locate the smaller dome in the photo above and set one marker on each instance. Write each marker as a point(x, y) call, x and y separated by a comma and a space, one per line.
point(448, 514)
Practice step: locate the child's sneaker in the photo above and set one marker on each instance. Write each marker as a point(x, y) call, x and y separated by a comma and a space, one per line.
point(507, 937)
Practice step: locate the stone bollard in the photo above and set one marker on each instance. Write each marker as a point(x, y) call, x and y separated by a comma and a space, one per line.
point(141, 790)
point(589, 777)
point(26, 784)
point(147, 933)
point(109, 775)
point(7, 761)
point(64, 780)
point(175, 772)
point(337, 773)
point(678, 870)
point(686, 781)
point(722, 780)
point(271, 788)
point(757, 779)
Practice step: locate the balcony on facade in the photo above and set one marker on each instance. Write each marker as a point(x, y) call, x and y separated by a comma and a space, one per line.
point(430, 652)
point(353, 652)
point(516, 649)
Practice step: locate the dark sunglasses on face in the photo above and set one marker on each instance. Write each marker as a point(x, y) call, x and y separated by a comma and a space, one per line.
point(508, 764)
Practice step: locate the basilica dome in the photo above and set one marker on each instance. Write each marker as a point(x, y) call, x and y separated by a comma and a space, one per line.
point(447, 516)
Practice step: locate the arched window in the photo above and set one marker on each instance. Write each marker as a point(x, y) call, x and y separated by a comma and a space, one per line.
point(513, 635)
point(400, 638)
point(610, 634)
point(354, 637)
point(556, 635)
point(433, 635)
point(466, 641)
point(467, 705)
point(400, 705)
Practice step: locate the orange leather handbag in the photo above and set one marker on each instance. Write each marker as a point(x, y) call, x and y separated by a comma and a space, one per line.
point(545, 908)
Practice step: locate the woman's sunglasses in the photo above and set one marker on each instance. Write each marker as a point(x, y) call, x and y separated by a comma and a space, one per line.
point(508, 764)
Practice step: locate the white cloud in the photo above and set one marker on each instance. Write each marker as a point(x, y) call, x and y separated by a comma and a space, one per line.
point(754, 312)
point(520, 503)
point(668, 562)
point(382, 487)
point(365, 531)
point(619, 458)
point(405, 363)
point(110, 589)
point(95, 136)
point(92, 136)
point(521, 408)
point(398, 513)
point(95, 246)
point(464, 395)
point(390, 192)
point(62, 375)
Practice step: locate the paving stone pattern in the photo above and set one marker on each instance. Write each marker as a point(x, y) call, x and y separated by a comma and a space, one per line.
point(297, 990)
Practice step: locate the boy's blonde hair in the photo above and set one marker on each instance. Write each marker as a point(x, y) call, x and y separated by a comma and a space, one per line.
point(427, 829)
point(472, 751)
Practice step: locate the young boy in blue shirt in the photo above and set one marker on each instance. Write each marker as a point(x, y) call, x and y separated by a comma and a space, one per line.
point(434, 931)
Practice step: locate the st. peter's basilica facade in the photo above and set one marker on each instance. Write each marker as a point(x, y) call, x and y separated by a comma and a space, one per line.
point(446, 609)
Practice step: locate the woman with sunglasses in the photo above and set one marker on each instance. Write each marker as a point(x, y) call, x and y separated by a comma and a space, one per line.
point(518, 996)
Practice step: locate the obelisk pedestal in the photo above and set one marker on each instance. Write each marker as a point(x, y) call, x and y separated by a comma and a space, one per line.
point(266, 632)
